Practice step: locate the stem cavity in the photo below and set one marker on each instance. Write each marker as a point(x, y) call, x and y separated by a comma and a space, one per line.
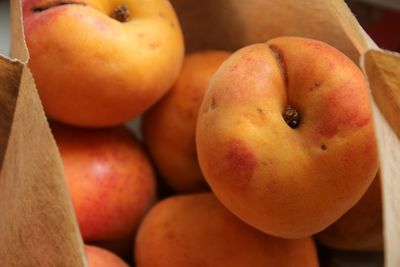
point(291, 117)
point(121, 13)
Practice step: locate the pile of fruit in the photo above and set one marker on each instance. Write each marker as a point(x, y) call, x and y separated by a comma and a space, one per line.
point(248, 157)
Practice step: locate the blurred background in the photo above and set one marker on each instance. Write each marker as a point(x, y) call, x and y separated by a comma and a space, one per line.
point(381, 20)
point(4, 27)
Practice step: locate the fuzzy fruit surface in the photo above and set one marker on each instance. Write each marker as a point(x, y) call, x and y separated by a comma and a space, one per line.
point(287, 181)
point(169, 127)
point(361, 228)
point(101, 63)
point(98, 257)
point(178, 232)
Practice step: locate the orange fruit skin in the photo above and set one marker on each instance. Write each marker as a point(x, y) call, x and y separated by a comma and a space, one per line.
point(169, 127)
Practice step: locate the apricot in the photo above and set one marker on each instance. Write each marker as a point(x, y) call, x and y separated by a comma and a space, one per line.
point(101, 63)
point(196, 230)
point(285, 136)
point(98, 257)
point(169, 127)
point(361, 228)
point(110, 180)
point(120, 247)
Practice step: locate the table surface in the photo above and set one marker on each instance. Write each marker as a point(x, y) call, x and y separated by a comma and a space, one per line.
point(339, 259)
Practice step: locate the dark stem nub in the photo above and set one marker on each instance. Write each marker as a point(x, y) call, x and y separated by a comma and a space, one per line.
point(292, 117)
point(121, 13)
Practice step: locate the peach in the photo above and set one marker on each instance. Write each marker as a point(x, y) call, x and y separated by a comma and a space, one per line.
point(169, 127)
point(110, 179)
point(99, 62)
point(285, 136)
point(361, 227)
point(196, 230)
point(98, 257)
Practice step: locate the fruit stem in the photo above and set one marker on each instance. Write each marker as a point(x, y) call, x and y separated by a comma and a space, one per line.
point(292, 117)
point(121, 13)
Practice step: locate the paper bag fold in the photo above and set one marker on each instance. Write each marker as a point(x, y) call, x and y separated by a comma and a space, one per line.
point(232, 24)
point(37, 223)
point(383, 71)
point(10, 75)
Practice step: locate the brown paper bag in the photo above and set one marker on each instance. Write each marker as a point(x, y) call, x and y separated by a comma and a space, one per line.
point(31, 164)
point(382, 69)
point(37, 225)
